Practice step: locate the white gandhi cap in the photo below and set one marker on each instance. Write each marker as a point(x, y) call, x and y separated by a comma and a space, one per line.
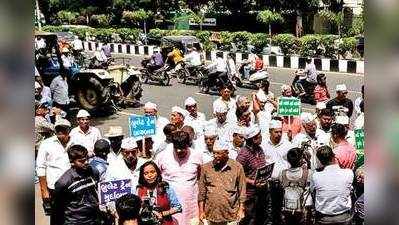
point(150, 105)
point(179, 110)
point(252, 131)
point(128, 143)
point(340, 87)
point(190, 101)
point(344, 120)
point(82, 113)
point(275, 124)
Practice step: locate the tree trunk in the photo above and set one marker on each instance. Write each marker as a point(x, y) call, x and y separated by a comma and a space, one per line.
point(298, 26)
point(145, 33)
point(270, 38)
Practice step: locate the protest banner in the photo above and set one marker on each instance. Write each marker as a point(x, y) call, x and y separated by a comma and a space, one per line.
point(264, 173)
point(289, 106)
point(112, 190)
point(140, 126)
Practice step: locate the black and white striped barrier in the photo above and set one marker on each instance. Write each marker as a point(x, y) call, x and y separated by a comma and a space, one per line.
point(121, 48)
point(293, 62)
point(297, 62)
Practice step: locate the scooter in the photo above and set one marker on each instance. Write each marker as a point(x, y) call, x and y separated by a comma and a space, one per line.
point(160, 75)
point(254, 78)
point(303, 92)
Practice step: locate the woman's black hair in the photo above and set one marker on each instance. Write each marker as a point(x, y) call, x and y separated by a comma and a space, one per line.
point(294, 157)
point(142, 180)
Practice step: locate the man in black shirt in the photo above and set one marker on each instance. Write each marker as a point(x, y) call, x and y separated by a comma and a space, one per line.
point(76, 200)
point(341, 100)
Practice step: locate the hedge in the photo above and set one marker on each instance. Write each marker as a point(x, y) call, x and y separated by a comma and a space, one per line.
point(328, 46)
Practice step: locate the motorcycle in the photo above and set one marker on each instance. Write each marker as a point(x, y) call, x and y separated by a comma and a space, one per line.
point(302, 89)
point(214, 83)
point(255, 77)
point(184, 74)
point(160, 75)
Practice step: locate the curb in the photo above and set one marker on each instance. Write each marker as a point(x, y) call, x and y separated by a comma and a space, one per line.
point(291, 62)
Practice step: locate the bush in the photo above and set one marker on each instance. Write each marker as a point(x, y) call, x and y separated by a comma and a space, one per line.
point(82, 32)
point(328, 42)
point(157, 33)
point(347, 45)
point(80, 20)
point(241, 36)
point(66, 17)
point(286, 43)
point(104, 35)
point(128, 35)
point(101, 20)
point(259, 40)
point(309, 44)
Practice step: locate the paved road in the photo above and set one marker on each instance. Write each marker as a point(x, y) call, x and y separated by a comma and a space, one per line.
point(167, 97)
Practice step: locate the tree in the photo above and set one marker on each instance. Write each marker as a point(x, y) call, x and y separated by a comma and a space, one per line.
point(336, 19)
point(299, 7)
point(66, 16)
point(136, 17)
point(268, 17)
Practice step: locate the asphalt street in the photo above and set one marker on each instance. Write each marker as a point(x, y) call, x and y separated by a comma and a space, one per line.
point(168, 96)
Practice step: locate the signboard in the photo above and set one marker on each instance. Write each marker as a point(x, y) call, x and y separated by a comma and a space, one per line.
point(289, 106)
point(141, 125)
point(264, 173)
point(206, 22)
point(359, 138)
point(359, 158)
point(112, 190)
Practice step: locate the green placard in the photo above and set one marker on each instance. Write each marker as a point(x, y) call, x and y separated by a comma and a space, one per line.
point(289, 106)
point(359, 138)
point(359, 158)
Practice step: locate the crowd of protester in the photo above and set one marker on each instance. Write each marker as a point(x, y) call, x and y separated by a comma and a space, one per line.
point(198, 170)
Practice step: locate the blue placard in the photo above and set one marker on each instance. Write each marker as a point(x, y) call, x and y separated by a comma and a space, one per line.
point(141, 125)
point(112, 190)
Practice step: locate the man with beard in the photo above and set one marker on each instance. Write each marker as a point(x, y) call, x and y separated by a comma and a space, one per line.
point(128, 167)
point(308, 136)
point(324, 130)
point(221, 177)
point(180, 167)
point(85, 134)
point(75, 196)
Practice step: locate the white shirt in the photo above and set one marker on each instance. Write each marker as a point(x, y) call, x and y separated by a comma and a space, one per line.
point(231, 106)
point(224, 131)
point(77, 44)
point(323, 138)
point(118, 170)
point(232, 66)
point(85, 139)
point(112, 157)
point(100, 56)
point(359, 122)
point(66, 61)
point(40, 43)
point(350, 137)
point(357, 105)
point(277, 154)
point(197, 123)
point(220, 65)
point(193, 58)
point(314, 143)
point(333, 186)
point(159, 136)
point(52, 160)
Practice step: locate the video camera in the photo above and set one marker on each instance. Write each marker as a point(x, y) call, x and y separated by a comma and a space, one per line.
point(147, 216)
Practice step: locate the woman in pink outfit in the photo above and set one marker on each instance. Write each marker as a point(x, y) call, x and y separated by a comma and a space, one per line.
point(180, 166)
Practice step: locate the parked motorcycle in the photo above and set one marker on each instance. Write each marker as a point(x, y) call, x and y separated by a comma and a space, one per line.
point(210, 82)
point(160, 75)
point(303, 90)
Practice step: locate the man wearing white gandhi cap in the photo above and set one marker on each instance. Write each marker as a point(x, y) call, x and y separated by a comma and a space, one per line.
point(277, 147)
point(194, 118)
point(151, 109)
point(223, 126)
point(129, 167)
point(177, 116)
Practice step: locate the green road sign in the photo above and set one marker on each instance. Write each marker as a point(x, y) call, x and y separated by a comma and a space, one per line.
point(289, 106)
point(359, 138)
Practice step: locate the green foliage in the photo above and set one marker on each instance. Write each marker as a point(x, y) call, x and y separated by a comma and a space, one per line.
point(128, 35)
point(241, 36)
point(135, 17)
point(80, 20)
point(157, 33)
point(328, 41)
point(66, 17)
point(101, 20)
point(269, 17)
point(309, 44)
point(357, 26)
point(259, 40)
point(286, 42)
point(226, 37)
point(347, 45)
point(103, 34)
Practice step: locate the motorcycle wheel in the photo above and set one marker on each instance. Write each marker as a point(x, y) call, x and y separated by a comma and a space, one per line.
point(165, 80)
point(181, 76)
point(90, 94)
point(200, 76)
point(203, 87)
point(146, 77)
